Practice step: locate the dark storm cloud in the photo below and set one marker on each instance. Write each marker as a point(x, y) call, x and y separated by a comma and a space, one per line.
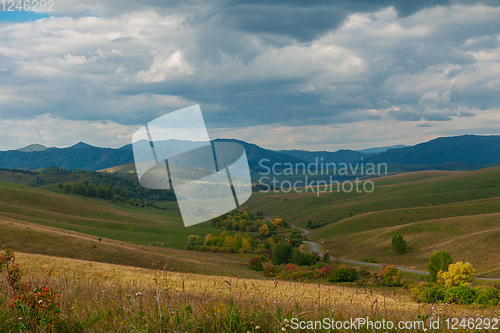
point(251, 63)
point(306, 20)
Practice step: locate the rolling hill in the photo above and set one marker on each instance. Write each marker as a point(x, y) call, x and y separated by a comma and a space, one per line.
point(47, 221)
point(455, 211)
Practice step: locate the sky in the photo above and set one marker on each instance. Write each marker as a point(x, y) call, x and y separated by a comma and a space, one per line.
point(315, 75)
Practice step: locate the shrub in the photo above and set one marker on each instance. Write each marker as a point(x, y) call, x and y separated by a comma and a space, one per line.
point(342, 274)
point(489, 296)
point(461, 294)
point(302, 275)
point(291, 268)
point(391, 276)
point(370, 260)
point(432, 295)
point(398, 244)
point(281, 253)
point(458, 274)
point(193, 240)
point(270, 271)
point(325, 271)
point(256, 264)
point(439, 261)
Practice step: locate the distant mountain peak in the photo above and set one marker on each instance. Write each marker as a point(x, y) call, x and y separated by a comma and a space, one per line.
point(81, 145)
point(376, 150)
point(33, 147)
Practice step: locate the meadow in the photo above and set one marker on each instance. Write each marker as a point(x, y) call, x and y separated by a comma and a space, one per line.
point(434, 210)
point(99, 297)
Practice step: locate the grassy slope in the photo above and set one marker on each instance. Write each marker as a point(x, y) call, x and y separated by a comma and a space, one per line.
point(467, 238)
point(38, 239)
point(448, 188)
point(21, 179)
point(462, 217)
point(39, 221)
point(121, 169)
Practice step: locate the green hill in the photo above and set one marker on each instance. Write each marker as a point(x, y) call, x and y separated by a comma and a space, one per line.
point(433, 188)
point(455, 211)
point(35, 220)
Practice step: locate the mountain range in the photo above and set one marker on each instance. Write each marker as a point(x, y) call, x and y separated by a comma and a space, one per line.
point(462, 152)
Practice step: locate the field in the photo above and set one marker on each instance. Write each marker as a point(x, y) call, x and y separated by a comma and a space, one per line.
point(23, 179)
point(97, 297)
point(103, 253)
point(34, 220)
point(434, 210)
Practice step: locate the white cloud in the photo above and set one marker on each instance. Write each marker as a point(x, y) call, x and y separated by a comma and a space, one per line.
point(51, 131)
point(133, 63)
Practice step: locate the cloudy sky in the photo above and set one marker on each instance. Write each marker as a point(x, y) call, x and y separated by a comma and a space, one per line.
point(282, 74)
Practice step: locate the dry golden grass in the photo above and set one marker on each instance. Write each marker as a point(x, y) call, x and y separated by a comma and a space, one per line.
point(39, 239)
point(263, 290)
point(98, 297)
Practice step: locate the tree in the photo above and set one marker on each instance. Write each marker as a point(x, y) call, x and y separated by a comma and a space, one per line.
point(391, 276)
point(194, 240)
point(458, 274)
point(398, 244)
point(300, 259)
point(264, 230)
point(439, 261)
point(281, 253)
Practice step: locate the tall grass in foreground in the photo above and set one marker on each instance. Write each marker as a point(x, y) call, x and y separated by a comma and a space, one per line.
point(137, 300)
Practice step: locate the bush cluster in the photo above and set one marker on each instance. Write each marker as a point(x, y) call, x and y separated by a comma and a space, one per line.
point(462, 294)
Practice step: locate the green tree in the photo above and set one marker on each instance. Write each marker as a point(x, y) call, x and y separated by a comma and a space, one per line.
point(300, 259)
point(194, 240)
point(281, 253)
point(439, 261)
point(398, 244)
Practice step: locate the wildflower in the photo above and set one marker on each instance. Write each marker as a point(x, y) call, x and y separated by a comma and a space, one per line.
point(286, 321)
point(283, 329)
point(138, 294)
point(257, 327)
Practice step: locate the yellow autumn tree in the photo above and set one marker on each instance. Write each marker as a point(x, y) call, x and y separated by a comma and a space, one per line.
point(264, 230)
point(277, 222)
point(458, 274)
